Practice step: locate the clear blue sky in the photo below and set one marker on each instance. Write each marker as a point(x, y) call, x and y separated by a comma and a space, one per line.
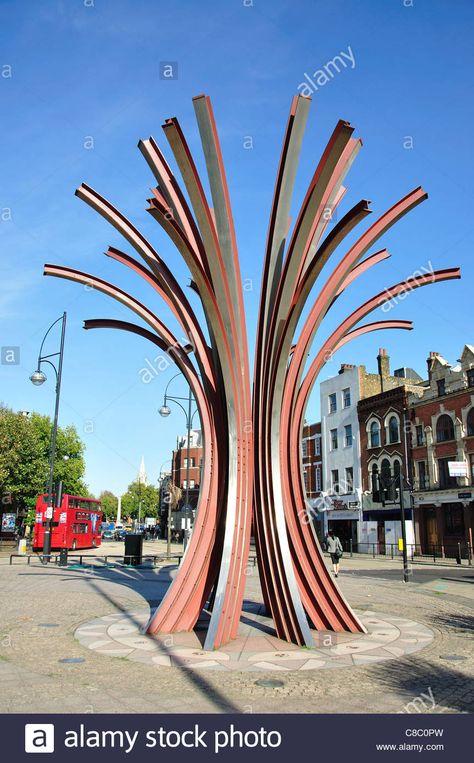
point(80, 71)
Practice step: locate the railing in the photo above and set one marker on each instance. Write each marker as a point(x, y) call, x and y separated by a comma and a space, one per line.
point(55, 558)
point(445, 552)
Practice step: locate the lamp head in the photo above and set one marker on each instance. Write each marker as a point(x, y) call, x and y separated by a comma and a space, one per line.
point(38, 378)
point(164, 411)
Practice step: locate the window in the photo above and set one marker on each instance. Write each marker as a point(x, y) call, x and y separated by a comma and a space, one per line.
point(349, 479)
point(471, 458)
point(422, 476)
point(318, 479)
point(453, 519)
point(191, 483)
point(470, 377)
point(305, 448)
point(333, 403)
point(374, 435)
point(444, 428)
point(333, 439)
point(335, 480)
point(375, 483)
point(470, 423)
point(346, 398)
point(305, 480)
point(191, 462)
point(393, 430)
point(348, 435)
point(441, 384)
point(419, 434)
point(444, 478)
point(317, 446)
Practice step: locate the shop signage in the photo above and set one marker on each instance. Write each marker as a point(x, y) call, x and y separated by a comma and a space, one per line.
point(457, 468)
point(8, 523)
point(464, 496)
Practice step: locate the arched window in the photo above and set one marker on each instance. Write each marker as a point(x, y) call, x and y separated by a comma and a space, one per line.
point(470, 423)
point(375, 435)
point(444, 428)
point(393, 430)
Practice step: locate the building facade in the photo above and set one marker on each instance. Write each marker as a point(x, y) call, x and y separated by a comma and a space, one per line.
point(181, 473)
point(312, 460)
point(340, 450)
point(345, 429)
point(385, 445)
point(442, 434)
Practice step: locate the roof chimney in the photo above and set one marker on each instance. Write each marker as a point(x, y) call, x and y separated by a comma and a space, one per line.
point(383, 362)
point(429, 362)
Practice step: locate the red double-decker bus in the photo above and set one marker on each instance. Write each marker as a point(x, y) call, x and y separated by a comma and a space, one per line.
point(76, 523)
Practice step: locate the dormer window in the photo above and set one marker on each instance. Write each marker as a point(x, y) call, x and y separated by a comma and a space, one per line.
point(441, 384)
point(470, 377)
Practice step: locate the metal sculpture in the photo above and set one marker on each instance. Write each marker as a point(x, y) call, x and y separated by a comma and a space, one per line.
point(251, 470)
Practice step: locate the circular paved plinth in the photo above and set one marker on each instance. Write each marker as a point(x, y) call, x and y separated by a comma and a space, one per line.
point(256, 648)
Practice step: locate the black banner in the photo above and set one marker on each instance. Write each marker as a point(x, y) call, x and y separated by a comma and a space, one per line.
point(232, 737)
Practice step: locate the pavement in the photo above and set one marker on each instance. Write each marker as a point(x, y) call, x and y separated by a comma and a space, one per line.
point(45, 666)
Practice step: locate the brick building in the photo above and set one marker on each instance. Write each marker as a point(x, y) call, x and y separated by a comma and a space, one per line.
point(344, 438)
point(312, 460)
point(442, 433)
point(385, 462)
point(180, 472)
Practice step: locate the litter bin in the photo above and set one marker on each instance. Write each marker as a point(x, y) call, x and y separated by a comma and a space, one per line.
point(22, 546)
point(133, 549)
point(62, 557)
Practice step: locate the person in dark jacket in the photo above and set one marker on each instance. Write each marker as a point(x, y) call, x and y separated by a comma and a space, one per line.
point(334, 547)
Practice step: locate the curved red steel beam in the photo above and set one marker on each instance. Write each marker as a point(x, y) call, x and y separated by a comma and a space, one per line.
point(321, 609)
point(322, 599)
point(218, 307)
point(184, 598)
point(231, 584)
point(183, 312)
point(335, 340)
point(276, 239)
point(196, 566)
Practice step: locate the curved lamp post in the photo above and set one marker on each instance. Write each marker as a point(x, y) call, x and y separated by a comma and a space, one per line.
point(38, 377)
point(165, 411)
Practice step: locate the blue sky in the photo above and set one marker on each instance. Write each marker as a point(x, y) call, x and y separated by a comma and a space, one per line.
point(87, 73)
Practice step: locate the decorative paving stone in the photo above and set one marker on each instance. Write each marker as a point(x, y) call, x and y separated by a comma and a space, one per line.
point(256, 647)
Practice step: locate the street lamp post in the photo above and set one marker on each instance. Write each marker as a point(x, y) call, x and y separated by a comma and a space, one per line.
point(38, 378)
point(165, 411)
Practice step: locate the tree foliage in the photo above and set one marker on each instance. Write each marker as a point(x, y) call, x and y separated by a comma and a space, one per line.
point(24, 458)
point(147, 496)
point(109, 503)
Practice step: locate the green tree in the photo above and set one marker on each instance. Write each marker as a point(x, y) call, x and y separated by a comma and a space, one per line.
point(147, 496)
point(109, 503)
point(24, 458)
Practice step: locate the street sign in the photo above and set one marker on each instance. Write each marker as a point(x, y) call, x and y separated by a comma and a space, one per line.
point(49, 513)
point(465, 496)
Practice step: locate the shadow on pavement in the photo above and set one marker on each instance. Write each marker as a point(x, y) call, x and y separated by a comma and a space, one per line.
point(420, 678)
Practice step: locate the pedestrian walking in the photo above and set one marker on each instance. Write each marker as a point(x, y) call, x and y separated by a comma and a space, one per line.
point(334, 547)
